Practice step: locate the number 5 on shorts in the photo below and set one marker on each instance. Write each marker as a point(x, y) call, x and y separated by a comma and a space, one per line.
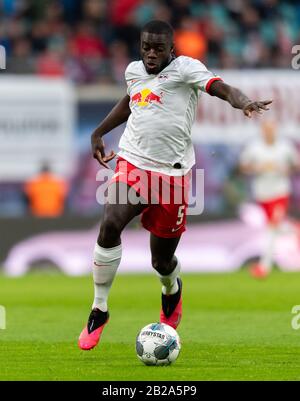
point(180, 215)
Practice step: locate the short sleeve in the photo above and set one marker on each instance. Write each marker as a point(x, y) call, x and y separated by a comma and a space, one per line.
point(195, 73)
point(127, 77)
point(131, 74)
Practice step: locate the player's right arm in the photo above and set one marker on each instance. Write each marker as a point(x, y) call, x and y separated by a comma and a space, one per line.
point(238, 99)
point(118, 115)
point(195, 73)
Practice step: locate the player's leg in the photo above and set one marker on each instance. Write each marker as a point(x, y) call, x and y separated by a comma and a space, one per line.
point(275, 211)
point(266, 260)
point(166, 223)
point(107, 257)
point(264, 266)
point(165, 262)
point(108, 249)
point(167, 266)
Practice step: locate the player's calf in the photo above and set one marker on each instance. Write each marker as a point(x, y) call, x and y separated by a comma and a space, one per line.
point(171, 310)
point(105, 266)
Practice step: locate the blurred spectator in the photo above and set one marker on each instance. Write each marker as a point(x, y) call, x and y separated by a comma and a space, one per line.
point(50, 63)
point(91, 33)
point(86, 43)
point(89, 52)
point(189, 41)
point(162, 12)
point(95, 10)
point(180, 9)
point(119, 60)
point(121, 11)
point(39, 36)
point(21, 60)
point(46, 194)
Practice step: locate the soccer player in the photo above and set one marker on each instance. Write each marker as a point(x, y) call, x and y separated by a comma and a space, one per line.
point(159, 108)
point(271, 161)
point(46, 193)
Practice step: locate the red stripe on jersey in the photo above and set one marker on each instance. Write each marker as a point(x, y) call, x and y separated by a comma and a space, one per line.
point(212, 80)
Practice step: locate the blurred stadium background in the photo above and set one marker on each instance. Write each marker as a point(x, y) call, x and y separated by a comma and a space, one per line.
point(64, 71)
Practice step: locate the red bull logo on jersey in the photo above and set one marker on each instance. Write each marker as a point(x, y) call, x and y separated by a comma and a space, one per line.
point(146, 97)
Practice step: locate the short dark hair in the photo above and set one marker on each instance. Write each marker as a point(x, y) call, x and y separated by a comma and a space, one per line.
point(159, 27)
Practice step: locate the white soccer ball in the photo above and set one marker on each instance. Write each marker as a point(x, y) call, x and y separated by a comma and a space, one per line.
point(157, 344)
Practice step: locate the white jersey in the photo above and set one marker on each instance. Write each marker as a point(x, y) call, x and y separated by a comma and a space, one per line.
point(281, 155)
point(157, 136)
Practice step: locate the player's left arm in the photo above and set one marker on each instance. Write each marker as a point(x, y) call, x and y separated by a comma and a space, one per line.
point(238, 99)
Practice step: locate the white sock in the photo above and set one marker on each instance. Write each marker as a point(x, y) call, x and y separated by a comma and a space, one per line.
point(170, 284)
point(106, 263)
point(267, 258)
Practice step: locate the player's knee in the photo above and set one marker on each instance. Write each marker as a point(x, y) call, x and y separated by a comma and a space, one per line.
point(110, 231)
point(162, 266)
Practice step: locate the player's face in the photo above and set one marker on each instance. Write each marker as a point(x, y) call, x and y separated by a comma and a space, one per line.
point(156, 51)
point(269, 132)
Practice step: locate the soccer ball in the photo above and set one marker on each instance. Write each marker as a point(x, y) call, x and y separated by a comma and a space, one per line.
point(157, 344)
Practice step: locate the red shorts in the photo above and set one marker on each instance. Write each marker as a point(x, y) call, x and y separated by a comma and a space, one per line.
point(165, 198)
point(276, 209)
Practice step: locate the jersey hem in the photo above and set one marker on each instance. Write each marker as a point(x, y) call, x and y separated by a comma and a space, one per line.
point(164, 170)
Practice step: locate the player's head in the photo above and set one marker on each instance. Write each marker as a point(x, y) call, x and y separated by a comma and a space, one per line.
point(45, 167)
point(269, 131)
point(157, 46)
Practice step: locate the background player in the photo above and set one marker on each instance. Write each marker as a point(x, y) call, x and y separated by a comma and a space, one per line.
point(46, 193)
point(271, 161)
point(159, 109)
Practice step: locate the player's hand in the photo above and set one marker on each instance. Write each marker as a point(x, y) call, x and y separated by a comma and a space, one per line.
point(98, 151)
point(257, 107)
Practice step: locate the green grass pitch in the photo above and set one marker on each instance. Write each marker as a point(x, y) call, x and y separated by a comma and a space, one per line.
point(234, 328)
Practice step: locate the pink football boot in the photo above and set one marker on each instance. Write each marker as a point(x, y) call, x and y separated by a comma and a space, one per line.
point(91, 334)
point(171, 311)
point(258, 271)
